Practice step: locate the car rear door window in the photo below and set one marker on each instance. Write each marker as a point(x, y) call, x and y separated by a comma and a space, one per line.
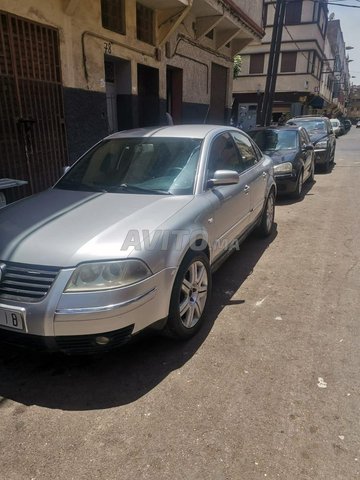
point(246, 151)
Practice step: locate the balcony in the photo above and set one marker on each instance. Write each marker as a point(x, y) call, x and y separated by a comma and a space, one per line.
point(226, 19)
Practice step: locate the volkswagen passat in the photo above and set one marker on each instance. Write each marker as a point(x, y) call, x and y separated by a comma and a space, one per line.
point(128, 237)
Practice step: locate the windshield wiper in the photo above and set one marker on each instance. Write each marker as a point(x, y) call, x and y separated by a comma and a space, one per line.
point(72, 185)
point(134, 188)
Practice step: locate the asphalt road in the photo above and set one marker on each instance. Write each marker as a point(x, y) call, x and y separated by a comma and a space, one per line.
point(269, 390)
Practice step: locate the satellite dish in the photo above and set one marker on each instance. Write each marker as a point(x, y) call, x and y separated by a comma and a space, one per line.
point(332, 16)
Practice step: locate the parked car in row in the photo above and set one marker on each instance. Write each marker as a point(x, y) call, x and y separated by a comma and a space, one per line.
point(292, 153)
point(322, 136)
point(128, 237)
point(358, 124)
point(347, 124)
point(336, 126)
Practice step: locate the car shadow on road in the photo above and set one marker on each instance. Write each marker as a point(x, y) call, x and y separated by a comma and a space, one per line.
point(125, 375)
point(287, 200)
point(322, 171)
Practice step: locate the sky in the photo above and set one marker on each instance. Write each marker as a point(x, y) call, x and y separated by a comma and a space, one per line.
point(350, 25)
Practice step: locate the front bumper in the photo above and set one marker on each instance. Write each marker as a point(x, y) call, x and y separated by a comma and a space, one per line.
point(286, 183)
point(321, 156)
point(73, 322)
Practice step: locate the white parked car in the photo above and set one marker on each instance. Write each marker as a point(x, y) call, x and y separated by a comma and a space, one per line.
point(336, 126)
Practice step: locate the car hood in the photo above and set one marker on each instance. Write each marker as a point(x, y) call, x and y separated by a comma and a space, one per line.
point(281, 156)
point(63, 228)
point(316, 137)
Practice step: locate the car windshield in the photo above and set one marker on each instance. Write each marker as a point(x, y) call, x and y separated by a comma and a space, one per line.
point(335, 123)
point(272, 140)
point(151, 165)
point(312, 126)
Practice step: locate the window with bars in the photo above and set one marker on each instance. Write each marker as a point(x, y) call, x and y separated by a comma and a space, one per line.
point(288, 61)
point(145, 23)
point(113, 15)
point(257, 63)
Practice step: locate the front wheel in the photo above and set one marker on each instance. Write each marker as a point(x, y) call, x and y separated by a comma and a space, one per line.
point(2, 200)
point(189, 297)
point(312, 173)
point(299, 185)
point(267, 219)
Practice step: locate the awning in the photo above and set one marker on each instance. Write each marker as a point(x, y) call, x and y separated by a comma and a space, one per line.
point(317, 102)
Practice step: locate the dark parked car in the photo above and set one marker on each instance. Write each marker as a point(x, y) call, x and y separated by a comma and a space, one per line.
point(347, 124)
point(292, 153)
point(322, 136)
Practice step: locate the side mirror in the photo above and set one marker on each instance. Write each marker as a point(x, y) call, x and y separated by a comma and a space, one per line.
point(224, 177)
point(308, 147)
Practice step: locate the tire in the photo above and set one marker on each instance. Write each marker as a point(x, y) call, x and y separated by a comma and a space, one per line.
point(299, 186)
point(267, 219)
point(190, 296)
point(327, 164)
point(312, 172)
point(333, 158)
point(2, 200)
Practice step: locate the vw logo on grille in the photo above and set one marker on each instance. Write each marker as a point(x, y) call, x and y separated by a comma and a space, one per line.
point(2, 271)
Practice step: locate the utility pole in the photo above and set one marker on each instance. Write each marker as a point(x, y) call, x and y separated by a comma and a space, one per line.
point(268, 97)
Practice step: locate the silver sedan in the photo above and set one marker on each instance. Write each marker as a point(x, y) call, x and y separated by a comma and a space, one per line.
point(129, 236)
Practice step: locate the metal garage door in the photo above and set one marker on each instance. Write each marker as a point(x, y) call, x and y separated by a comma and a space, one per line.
point(32, 130)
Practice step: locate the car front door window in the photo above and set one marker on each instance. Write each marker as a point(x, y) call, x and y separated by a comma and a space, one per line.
point(223, 155)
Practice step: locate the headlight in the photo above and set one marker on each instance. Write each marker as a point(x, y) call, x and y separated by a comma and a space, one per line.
point(321, 145)
point(107, 275)
point(283, 168)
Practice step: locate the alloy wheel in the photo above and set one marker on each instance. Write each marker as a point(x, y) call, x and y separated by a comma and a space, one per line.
point(193, 294)
point(270, 212)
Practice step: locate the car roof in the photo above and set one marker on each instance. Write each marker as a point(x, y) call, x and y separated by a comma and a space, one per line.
point(308, 118)
point(182, 131)
point(274, 127)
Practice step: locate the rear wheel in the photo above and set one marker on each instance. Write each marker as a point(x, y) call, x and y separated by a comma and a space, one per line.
point(267, 219)
point(189, 297)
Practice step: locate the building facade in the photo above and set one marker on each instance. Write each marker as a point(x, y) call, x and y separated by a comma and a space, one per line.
point(73, 71)
point(301, 87)
point(338, 65)
point(354, 104)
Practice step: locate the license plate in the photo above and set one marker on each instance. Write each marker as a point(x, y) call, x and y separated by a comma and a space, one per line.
point(13, 319)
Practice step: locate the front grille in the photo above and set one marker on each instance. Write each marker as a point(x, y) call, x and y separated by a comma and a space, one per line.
point(26, 282)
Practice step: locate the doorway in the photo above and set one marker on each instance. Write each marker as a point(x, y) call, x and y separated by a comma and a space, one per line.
point(219, 80)
point(119, 101)
point(148, 96)
point(174, 92)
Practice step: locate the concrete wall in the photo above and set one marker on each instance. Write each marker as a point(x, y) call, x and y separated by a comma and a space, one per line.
point(84, 42)
point(252, 8)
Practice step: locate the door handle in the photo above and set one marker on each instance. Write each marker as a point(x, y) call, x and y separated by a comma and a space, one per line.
point(264, 174)
point(246, 189)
